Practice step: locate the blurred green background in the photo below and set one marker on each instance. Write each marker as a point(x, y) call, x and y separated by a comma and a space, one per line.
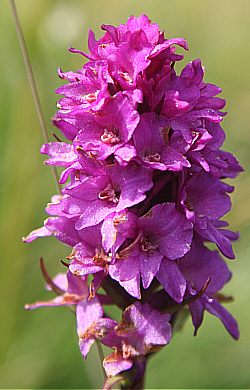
point(39, 349)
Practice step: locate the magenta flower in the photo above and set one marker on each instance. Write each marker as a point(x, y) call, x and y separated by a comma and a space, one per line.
point(141, 331)
point(142, 193)
point(197, 266)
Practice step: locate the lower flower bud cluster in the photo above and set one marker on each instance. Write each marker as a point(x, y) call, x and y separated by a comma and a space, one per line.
point(143, 193)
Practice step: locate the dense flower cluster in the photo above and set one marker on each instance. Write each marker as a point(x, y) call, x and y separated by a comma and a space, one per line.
point(143, 193)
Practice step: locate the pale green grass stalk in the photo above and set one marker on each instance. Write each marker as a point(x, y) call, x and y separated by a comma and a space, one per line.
point(33, 86)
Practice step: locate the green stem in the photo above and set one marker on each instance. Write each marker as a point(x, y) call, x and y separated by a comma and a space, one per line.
point(101, 357)
point(33, 85)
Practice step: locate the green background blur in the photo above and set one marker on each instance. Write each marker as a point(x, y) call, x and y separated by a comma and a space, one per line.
point(39, 349)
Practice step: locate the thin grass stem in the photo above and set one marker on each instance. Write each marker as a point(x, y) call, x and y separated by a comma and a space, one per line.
point(33, 86)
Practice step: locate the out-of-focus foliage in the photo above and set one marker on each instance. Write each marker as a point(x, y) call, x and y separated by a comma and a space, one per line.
point(39, 349)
